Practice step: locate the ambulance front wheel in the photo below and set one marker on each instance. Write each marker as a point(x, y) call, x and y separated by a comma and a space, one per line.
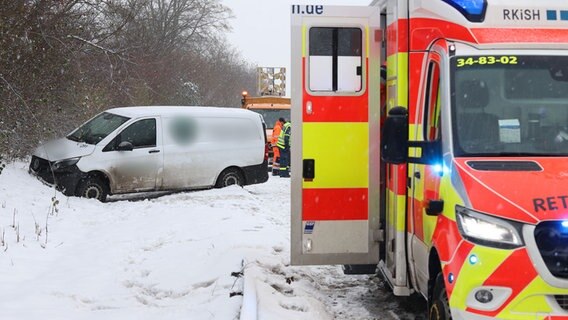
point(439, 307)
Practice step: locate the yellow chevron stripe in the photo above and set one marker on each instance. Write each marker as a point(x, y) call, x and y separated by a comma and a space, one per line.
point(472, 276)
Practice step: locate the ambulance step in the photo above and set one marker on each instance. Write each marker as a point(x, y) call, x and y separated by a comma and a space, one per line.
point(359, 268)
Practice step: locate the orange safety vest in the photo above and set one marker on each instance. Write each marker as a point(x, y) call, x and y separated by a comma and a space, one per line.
point(275, 135)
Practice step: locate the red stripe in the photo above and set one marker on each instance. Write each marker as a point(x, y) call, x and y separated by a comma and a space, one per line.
point(524, 273)
point(335, 204)
point(418, 207)
point(455, 266)
point(397, 44)
point(335, 108)
point(450, 245)
point(490, 198)
point(400, 172)
point(446, 238)
point(426, 30)
point(493, 35)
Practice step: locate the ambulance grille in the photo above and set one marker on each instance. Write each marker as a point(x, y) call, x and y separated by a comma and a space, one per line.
point(552, 242)
point(505, 165)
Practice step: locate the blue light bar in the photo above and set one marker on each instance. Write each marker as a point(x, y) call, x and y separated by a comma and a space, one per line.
point(565, 224)
point(472, 10)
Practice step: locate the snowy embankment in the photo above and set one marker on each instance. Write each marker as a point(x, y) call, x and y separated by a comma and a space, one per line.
point(170, 257)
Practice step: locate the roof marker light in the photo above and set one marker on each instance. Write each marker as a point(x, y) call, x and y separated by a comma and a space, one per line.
point(472, 10)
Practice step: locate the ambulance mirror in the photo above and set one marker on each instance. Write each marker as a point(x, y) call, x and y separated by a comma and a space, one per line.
point(394, 138)
point(430, 152)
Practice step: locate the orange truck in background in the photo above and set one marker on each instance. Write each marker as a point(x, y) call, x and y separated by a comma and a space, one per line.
point(271, 108)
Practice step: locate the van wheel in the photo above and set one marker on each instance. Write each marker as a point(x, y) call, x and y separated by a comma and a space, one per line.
point(440, 306)
point(93, 188)
point(230, 177)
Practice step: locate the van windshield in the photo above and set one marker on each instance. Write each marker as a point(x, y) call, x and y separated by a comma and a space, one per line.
point(510, 105)
point(97, 128)
point(271, 115)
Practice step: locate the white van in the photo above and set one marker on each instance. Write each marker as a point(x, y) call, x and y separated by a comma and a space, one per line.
point(135, 149)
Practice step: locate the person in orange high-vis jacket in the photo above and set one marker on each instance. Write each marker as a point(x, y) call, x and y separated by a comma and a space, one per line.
point(275, 150)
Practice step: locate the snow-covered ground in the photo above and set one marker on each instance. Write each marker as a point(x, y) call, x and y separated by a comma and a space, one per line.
point(170, 257)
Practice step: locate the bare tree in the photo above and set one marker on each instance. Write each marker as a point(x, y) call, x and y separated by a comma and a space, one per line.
point(62, 61)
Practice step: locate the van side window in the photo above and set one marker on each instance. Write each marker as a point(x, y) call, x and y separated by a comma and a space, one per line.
point(335, 59)
point(142, 134)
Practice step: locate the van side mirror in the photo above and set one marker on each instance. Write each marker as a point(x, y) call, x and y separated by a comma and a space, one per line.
point(125, 146)
point(394, 138)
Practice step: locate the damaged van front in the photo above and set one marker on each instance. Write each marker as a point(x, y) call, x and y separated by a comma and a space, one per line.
point(145, 149)
point(57, 162)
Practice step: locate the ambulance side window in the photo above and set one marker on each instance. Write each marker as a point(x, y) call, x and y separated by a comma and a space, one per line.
point(335, 59)
point(432, 103)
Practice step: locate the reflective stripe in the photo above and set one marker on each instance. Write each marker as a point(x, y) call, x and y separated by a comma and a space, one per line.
point(335, 204)
point(283, 134)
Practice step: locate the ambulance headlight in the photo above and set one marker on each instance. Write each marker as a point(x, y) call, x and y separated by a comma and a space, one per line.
point(488, 231)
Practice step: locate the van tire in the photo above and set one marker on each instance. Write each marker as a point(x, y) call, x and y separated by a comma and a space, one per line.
point(93, 188)
point(439, 307)
point(230, 177)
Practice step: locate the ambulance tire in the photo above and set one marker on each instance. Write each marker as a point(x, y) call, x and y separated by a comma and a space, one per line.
point(439, 307)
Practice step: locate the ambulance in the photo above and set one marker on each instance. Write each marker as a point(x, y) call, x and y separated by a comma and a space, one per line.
point(457, 187)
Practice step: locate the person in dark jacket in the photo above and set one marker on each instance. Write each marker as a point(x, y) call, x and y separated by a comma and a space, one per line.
point(284, 145)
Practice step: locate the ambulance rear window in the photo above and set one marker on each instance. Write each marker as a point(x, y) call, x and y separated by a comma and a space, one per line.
point(335, 61)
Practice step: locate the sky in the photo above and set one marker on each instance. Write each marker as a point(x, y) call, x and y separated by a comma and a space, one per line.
point(166, 258)
point(261, 29)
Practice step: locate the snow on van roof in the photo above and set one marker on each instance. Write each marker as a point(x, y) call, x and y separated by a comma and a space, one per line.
point(145, 111)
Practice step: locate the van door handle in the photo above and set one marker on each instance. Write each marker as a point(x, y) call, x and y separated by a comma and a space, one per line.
point(153, 151)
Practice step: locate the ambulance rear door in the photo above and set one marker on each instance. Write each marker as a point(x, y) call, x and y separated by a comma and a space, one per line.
point(335, 135)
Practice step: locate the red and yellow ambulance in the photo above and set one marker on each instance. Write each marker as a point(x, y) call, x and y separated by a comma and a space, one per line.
point(462, 194)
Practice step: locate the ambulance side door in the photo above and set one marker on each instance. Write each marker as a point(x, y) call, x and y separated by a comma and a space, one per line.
point(424, 189)
point(335, 129)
